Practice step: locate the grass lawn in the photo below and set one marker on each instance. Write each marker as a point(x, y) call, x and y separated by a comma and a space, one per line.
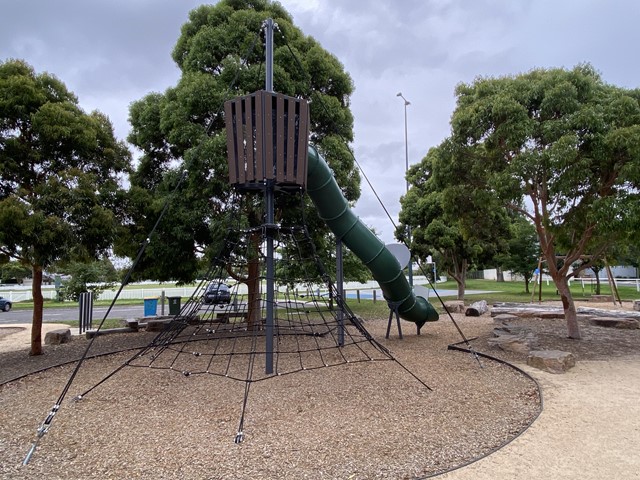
point(515, 291)
point(501, 292)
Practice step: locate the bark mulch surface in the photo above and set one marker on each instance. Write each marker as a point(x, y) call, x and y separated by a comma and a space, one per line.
point(355, 421)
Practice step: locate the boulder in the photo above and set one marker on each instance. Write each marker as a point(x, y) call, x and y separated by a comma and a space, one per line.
point(454, 306)
point(636, 305)
point(56, 337)
point(552, 361)
point(614, 322)
point(476, 309)
point(507, 329)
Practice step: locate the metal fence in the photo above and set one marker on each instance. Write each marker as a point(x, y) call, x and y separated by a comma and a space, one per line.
point(22, 294)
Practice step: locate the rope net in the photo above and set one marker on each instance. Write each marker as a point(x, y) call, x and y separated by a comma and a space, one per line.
point(221, 329)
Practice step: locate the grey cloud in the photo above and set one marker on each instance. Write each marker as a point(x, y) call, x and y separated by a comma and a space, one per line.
point(112, 52)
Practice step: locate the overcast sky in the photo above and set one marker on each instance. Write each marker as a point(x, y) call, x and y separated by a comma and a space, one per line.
point(113, 52)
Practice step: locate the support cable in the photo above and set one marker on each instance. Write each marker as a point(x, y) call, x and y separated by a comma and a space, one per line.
point(462, 335)
point(46, 424)
point(393, 223)
point(161, 342)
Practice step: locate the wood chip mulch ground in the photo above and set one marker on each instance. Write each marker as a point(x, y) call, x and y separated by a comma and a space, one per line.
point(356, 421)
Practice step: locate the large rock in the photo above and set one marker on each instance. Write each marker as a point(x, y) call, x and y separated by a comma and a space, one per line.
point(56, 337)
point(506, 329)
point(477, 308)
point(552, 361)
point(454, 306)
point(636, 305)
point(612, 322)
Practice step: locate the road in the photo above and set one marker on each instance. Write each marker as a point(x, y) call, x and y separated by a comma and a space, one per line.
point(65, 314)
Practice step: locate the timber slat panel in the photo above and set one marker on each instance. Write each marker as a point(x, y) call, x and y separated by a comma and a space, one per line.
point(231, 145)
point(303, 133)
point(267, 139)
point(254, 139)
point(279, 143)
point(291, 135)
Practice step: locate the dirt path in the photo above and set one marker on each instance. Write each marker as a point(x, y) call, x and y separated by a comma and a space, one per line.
point(18, 336)
point(589, 428)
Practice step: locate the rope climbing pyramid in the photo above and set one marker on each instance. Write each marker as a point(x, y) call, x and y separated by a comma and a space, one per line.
point(267, 306)
point(221, 329)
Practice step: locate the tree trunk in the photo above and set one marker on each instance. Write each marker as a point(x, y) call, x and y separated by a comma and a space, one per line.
point(570, 313)
point(254, 314)
point(458, 272)
point(461, 288)
point(499, 274)
point(253, 286)
point(36, 325)
point(597, 275)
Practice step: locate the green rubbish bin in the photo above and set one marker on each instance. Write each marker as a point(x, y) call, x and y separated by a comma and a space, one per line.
point(174, 305)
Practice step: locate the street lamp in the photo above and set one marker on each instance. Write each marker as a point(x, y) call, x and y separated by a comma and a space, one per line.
point(406, 169)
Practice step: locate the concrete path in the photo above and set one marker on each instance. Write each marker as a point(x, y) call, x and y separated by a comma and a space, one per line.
point(589, 429)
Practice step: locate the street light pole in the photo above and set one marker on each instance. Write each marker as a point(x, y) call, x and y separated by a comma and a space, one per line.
point(406, 169)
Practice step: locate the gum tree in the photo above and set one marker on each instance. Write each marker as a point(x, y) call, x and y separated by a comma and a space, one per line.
point(59, 177)
point(183, 128)
point(451, 216)
point(568, 144)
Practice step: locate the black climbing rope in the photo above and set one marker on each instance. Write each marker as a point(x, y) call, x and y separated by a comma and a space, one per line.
point(46, 424)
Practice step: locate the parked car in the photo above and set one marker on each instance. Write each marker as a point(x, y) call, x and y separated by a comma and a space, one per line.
point(5, 305)
point(217, 294)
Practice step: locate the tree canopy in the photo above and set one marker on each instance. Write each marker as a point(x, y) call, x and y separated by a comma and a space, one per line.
point(451, 216)
point(220, 55)
point(95, 277)
point(60, 194)
point(569, 144)
point(523, 252)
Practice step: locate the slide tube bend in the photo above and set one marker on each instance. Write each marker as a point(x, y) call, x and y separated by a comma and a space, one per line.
point(334, 210)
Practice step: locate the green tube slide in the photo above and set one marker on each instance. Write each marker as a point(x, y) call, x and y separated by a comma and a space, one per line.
point(334, 209)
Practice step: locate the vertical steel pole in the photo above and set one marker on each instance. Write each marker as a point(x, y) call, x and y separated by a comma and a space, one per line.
point(269, 206)
point(81, 312)
point(340, 285)
point(406, 182)
point(406, 169)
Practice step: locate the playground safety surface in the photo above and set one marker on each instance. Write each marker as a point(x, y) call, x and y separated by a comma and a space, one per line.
point(354, 421)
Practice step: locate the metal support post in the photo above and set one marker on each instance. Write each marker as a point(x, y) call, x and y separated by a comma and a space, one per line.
point(393, 308)
point(85, 304)
point(269, 206)
point(340, 285)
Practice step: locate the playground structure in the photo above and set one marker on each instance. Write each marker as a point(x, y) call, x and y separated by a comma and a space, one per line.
point(268, 333)
point(266, 144)
point(274, 332)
